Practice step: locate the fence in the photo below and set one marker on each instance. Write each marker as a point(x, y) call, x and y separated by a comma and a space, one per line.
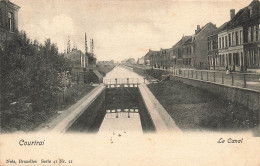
point(121, 82)
point(243, 80)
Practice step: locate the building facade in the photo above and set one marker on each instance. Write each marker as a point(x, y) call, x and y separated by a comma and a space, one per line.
point(78, 60)
point(8, 20)
point(177, 52)
point(161, 59)
point(238, 40)
point(235, 45)
point(192, 51)
point(199, 57)
point(250, 20)
point(213, 51)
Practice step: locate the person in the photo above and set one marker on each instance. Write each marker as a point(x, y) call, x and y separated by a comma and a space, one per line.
point(227, 72)
point(179, 71)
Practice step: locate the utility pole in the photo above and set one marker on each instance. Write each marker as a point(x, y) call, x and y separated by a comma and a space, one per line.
point(86, 44)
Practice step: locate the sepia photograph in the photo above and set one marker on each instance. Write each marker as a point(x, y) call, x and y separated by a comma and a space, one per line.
point(128, 82)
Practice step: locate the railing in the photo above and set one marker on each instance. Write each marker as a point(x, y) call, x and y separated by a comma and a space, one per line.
point(121, 82)
point(242, 80)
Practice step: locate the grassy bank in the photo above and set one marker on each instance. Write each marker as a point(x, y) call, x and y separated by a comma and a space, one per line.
point(27, 118)
point(194, 108)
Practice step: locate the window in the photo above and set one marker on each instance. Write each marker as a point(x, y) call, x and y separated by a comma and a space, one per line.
point(229, 39)
point(216, 60)
point(223, 60)
point(11, 21)
point(229, 59)
point(250, 13)
point(236, 38)
point(236, 58)
point(219, 42)
point(223, 42)
point(254, 33)
point(254, 57)
point(241, 37)
point(226, 44)
point(233, 39)
point(249, 34)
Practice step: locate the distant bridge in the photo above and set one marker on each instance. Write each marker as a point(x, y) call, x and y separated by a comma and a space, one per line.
point(121, 82)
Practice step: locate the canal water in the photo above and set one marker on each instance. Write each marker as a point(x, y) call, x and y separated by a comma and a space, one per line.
point(116, 109)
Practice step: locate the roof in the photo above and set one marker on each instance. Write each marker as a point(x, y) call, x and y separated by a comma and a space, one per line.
point(182, 41)
point(150, 52)
point(97, 73)
point(11, 5)
point(204, 27)
point(241, 16)
point(189, 39)
point(166, 49)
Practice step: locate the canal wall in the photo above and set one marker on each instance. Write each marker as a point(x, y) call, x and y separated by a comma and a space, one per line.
point(247, 97)
point(84, 121)
point(64, 121)
point(161, 119)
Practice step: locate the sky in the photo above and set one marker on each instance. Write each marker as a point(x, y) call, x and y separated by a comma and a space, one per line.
point(121, 29)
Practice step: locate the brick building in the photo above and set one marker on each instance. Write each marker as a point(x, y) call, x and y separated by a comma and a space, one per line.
point(150, 58)
point(199, 46)
point(250, 19)
point(192, 51)
point(213, 54)
point(160, 59)
point(8, 20)
point(78, 60)
point(177, 52)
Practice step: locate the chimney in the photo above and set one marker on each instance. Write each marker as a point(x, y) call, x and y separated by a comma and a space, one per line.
point(232, 13)
point(197, 30)
point(198, 27)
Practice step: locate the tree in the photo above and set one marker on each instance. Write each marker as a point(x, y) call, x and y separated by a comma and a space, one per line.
point(29, 81)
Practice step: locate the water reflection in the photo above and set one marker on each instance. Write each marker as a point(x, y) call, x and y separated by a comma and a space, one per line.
point(126, 113)
point(121, 120)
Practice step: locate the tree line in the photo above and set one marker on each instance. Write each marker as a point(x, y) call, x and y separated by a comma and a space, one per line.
point(30, 77)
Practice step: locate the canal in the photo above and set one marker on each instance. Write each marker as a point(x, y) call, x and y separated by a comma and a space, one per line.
point(116, 109)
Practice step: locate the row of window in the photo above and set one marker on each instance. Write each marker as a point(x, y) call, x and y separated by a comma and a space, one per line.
point(186, 50)
point(253, 33)
point(212, 45)
point(252, 59)
point(232, 39)
point(225, 60)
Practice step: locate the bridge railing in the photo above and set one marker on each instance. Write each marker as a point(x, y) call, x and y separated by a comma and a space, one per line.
point(121, 82)
point(242, 80)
